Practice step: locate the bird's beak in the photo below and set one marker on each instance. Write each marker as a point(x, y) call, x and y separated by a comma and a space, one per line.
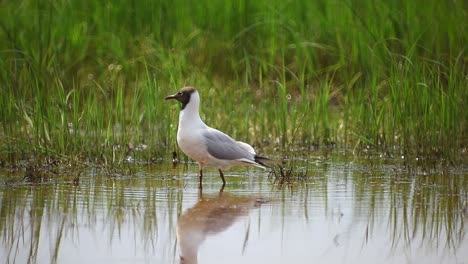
point(169, 97)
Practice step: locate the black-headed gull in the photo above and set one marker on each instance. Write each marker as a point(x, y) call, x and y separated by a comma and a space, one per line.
point(206, 145)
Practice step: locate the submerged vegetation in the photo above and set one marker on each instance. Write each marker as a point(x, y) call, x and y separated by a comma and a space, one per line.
point(86, 80)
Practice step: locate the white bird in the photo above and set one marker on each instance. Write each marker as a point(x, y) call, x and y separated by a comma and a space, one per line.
point(206, 145)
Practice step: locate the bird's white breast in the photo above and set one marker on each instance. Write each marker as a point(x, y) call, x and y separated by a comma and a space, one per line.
point(189, 136)
point(191, 143)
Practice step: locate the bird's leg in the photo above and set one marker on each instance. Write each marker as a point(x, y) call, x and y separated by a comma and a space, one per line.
point(200, 177)
point(222, 177)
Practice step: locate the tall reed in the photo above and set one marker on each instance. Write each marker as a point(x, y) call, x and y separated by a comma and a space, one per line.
point(88, 78)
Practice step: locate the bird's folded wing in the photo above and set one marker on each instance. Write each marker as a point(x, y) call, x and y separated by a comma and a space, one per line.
point(222, 146)
point(247, 147)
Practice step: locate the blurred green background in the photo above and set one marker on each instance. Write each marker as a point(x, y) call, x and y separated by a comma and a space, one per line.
point(87, 79)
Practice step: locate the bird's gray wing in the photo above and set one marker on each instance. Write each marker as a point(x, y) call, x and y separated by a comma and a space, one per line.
point(222, 146)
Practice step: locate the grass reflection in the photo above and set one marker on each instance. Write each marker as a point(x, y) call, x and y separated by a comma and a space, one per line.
point(140, 212)
point(422, 209)
point(36, 218)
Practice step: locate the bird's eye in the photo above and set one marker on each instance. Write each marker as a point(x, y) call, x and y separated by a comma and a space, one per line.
point(179, 93)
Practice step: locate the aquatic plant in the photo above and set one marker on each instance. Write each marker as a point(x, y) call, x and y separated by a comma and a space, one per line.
point(87, 79)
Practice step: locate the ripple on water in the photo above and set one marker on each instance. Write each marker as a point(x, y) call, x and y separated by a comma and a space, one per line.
point(344, 211)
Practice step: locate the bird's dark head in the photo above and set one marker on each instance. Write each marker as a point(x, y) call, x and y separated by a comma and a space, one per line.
point(183, 95)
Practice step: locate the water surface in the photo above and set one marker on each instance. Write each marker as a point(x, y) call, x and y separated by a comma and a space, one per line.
point(345, 211)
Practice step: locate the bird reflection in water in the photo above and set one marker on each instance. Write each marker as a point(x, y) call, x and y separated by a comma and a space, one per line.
point(210, 216)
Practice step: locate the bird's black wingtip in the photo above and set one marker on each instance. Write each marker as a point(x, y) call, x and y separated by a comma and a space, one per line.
point(262, 160)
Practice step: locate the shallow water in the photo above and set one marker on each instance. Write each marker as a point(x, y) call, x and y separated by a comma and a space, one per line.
point(345, 211)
